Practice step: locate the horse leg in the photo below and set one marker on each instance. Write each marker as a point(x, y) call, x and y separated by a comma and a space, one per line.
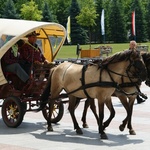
point(51, 106)
point(109, 105)
point(91, 103)
point(83, 119)
point(131, 130)
point(125, 103)
point(101, 117)
point(71, 108)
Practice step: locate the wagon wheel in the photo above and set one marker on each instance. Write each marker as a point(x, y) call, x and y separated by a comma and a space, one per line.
point(57, 114)
point(12, 112)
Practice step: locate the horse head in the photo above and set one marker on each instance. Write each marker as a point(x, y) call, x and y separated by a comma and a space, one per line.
point(136, 61)
point(146, 59)
point(136, 67)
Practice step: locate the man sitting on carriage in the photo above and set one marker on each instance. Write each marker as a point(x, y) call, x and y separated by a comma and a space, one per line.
point(11, 64)
point(31, 54)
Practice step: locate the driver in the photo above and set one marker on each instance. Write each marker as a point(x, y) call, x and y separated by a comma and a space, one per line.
point(30, 53)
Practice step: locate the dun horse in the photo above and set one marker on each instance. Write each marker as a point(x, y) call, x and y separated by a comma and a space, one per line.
point(91, 81)
point(131, 89)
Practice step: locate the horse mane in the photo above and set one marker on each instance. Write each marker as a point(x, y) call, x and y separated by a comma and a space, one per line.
point(146, 57)
point(120, 56)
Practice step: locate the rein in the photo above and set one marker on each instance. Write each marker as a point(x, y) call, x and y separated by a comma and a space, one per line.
point(113, 83)
point(105, 83)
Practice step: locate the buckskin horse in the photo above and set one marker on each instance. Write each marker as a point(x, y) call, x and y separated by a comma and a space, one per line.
point(131, 90)
point(90, 81)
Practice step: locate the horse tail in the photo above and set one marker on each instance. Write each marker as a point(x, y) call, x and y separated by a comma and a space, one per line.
point(46, 93)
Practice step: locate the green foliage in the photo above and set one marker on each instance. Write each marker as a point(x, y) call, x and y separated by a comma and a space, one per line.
point(78, 35)
point(117, 22)
point(87, 16)
point(148, 20)
point(140, 22)
point(47, 16)
point(62, 11)
point(9, 10)
point(97, 29)
point(117, 17)
point(30, 11)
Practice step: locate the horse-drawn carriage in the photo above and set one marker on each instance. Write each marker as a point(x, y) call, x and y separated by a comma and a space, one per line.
point(98, 79)
point(16, 102)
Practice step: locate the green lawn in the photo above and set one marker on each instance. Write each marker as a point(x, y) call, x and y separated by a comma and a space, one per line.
point(70, 51)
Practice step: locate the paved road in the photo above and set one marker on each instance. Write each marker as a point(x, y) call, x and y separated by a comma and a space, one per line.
point(32, 133)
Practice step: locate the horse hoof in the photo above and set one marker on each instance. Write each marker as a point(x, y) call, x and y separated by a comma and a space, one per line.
point(104, 136)
point(121, 128)
point(79, 131)
point(50, 128)
point(85, 125)
point(132, 132)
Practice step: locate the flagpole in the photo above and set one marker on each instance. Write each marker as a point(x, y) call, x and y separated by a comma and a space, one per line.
point(133, 25)
point(103, 26)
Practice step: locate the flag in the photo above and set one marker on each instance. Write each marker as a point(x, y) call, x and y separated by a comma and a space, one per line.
point(133, 23)
point(68, 30)
point(102, 23)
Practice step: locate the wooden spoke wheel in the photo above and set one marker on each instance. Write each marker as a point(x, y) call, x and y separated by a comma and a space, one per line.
point(12, 112)
point(57, 114)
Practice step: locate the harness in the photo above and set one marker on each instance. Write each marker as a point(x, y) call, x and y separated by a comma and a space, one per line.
point(114, 84)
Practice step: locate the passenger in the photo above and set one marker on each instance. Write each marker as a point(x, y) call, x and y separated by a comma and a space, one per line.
point(30, 53)
point(11, 63)
point(133, 46)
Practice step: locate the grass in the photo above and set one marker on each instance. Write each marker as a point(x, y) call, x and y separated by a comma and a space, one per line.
point(70, 51)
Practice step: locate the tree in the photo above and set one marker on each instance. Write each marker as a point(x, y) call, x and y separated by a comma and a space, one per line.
point(99, 7)
point(87, 16)
point(148, 21)
point(47, 16)
point(2, 2)
point(9, 10)
point(62, 11)
point(140, 22)
point(78, 34)
point(117, 24)
point(29, 11)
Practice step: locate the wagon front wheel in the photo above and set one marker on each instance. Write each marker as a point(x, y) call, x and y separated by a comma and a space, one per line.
point(57, 113)
point(12, 112)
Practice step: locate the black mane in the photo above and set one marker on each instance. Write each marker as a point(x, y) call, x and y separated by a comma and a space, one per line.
point(120, 56)
point(146, 57)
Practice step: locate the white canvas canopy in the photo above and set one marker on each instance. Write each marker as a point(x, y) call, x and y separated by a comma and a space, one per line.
point(51, 38)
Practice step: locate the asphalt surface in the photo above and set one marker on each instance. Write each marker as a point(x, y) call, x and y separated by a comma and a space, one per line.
point(32, 133)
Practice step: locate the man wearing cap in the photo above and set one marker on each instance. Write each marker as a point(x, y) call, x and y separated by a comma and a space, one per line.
point(30, 53)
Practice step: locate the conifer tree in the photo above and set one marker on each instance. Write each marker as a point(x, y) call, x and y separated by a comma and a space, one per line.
point(46, 13)
point(117, 24)
point(99, 7)
point(140, 22)
point(78, 34)
point(9, 10)
point(148, 20)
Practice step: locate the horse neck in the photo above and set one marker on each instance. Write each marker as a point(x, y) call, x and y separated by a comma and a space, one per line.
point(119, 69)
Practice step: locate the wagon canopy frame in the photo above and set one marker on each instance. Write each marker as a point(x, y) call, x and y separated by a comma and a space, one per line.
point(52, 37)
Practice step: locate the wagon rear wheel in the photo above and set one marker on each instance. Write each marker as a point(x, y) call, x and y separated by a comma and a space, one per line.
point(12, 112)
point(57, 114)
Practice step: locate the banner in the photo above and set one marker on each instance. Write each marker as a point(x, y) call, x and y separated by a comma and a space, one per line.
point(68, 30)
point(133, 23)
point(102, 23)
